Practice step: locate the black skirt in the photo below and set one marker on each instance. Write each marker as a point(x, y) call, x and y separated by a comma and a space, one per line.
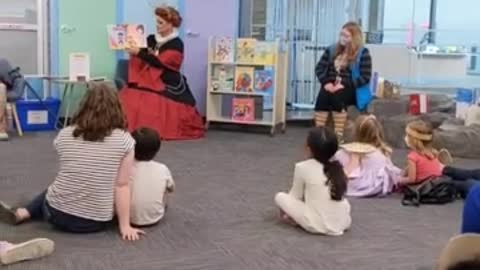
point(338, 101)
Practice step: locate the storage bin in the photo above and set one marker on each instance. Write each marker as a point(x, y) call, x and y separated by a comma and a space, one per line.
point(38, 115)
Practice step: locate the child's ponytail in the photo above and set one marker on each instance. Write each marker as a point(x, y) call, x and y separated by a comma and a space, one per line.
point(336, 179)
point(323, 145)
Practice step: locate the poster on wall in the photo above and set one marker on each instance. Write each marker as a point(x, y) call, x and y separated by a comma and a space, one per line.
point(122, 36)
point(79, 67)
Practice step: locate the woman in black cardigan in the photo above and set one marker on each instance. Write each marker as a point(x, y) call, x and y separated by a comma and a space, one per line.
point(334, 71)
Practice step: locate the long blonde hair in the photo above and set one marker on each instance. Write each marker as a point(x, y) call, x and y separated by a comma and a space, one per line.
point(419, 137)
point(352, 48)
point(368, 130)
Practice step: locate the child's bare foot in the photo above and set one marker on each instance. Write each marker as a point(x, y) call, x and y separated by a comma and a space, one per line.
point(285, 218)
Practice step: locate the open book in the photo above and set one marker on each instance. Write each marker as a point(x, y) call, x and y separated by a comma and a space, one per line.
point(122, 36)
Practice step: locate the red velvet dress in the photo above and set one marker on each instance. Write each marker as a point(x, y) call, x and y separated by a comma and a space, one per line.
point(158, 96)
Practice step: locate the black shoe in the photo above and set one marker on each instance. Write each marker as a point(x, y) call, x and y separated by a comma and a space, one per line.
point(7, 214)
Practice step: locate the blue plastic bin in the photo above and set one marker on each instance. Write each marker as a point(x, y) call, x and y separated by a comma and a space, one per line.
point(35, 115)
point(465, 95)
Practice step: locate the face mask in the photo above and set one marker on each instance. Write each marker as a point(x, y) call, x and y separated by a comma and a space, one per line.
point(343, 41)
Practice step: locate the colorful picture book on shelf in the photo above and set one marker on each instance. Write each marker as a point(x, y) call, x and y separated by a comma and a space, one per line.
point(244, 79)
point(223, 78)
point(122, 36)
point(265, 53)
point(227, 101)
point(264, 82)
point(246, 50)
point(243, 109)
point(224, 50)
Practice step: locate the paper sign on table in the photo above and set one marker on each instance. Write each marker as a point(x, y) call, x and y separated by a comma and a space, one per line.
point(79, 67)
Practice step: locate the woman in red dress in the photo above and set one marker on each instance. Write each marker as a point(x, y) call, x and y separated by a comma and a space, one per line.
point(157, 95)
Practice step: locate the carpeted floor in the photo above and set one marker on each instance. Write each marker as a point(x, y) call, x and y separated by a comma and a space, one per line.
point(223, 217)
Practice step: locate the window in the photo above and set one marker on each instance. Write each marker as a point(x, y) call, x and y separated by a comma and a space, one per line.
point(23, 34)
point(259, 19)
point(458, 22)
point(406, 22)
point(458, 25)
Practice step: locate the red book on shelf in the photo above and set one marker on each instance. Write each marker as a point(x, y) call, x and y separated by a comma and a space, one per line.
point(418, 104)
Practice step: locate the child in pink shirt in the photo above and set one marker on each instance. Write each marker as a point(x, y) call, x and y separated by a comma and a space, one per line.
point(425, 167)
point(426, 163)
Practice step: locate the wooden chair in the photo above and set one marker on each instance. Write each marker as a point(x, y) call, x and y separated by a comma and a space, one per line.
point(12, 110)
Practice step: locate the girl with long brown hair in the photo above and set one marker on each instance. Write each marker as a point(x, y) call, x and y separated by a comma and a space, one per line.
point(96, 157)
point(334, 72)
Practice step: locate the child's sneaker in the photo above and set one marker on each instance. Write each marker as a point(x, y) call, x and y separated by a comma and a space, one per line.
point(445, 157)
point(3, 136)
point(30, 250)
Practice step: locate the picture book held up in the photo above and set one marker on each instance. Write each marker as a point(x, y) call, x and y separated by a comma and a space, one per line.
point(244, 79)
point(123, 36)
point(224, 50)
point(243, 109)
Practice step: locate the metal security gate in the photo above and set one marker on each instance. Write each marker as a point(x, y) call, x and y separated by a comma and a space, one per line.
point(307, 27)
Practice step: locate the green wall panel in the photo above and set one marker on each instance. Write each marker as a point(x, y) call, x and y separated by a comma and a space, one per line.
point(82, 28)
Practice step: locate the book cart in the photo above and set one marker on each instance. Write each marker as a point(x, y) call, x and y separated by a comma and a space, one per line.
point(247, 82)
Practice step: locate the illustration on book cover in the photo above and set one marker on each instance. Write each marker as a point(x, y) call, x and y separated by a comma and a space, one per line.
point(264, 82)
point(244, 79)
point(122, 36)
point(224, 50)
point(223, 78)
point(243, 109)
point(246, 50)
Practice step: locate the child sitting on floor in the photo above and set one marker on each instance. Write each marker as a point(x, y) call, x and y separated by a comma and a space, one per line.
point(426, 163)
point(151, 180)
point(367, 161)
point(316, 200)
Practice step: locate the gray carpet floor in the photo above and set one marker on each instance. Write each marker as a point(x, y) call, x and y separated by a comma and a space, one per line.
point(223, 217)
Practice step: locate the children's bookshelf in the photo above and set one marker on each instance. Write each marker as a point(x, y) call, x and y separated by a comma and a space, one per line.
point(247, 81)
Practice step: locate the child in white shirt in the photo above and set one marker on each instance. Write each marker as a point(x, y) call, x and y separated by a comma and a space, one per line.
point(316, 201)
point(151, 180)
